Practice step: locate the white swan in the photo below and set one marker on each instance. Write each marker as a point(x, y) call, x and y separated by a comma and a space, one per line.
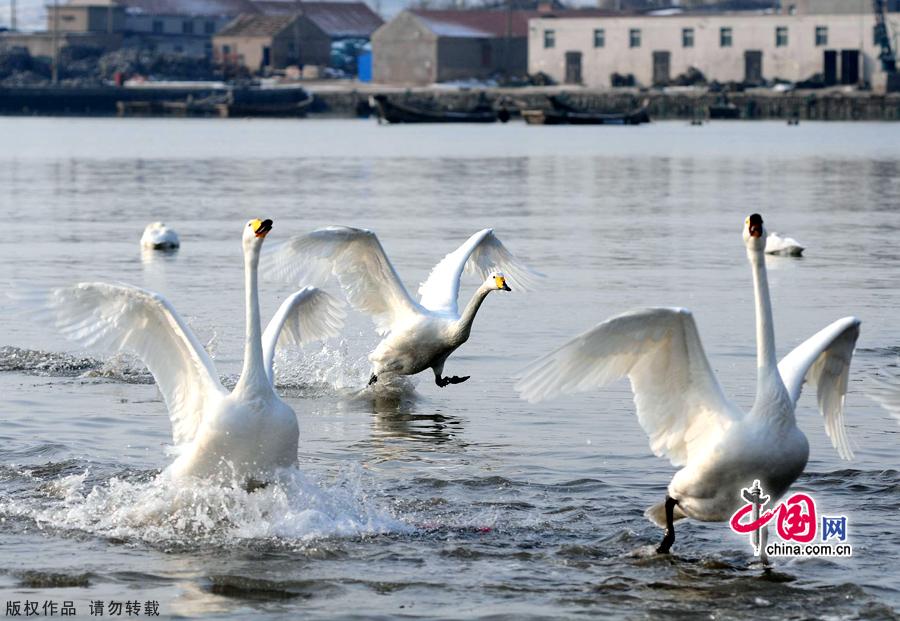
point(419, 335)
point(682, 408)
point(783, 245)
point(157, 236)
point(246, 434)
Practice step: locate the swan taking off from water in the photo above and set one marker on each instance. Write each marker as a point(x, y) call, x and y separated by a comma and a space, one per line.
point(418, 335)
point(157, 236)
point(248, 433)
point(680, 405)
point(784, 246)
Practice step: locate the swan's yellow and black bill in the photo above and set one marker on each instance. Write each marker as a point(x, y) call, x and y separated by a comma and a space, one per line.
point(261, 227)
point(755, 225)
point(501, 283)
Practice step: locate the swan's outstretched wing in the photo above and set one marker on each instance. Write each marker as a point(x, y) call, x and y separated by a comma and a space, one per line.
point(679, 401)
point(886, 391)
point(824, 360)
point(481, 254)
point(123, 318)
point(358, 260)
point(307, 315)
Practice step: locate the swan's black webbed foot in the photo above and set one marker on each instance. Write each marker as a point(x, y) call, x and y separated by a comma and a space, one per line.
point(372, 379)
point(443, 381)
point(669, 537)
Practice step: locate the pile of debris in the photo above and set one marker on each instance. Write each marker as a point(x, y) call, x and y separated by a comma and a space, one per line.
point(87, 66)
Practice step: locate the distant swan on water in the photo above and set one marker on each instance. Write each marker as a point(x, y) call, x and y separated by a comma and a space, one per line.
point(157, 236)
point(418, 335)
point(680, 404)
point(247, 434)
point(784, 246)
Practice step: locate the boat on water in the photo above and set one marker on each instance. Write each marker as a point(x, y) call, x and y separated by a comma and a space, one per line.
point(394, 112)
point(723, 109)
point(233, 102)
point(562, 112)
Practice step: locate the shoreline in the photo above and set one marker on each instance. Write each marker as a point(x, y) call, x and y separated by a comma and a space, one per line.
point(351, 100)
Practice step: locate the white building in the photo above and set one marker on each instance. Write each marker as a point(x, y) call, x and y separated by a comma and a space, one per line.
point(725, 47)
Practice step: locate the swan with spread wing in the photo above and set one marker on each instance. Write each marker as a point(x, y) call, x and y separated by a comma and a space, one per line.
point(246, 434)
point(680, 404)
point(418, 335)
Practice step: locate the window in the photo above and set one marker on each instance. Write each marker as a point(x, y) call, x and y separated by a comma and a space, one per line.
point(687, 37)
point(634, 37)
point(157, 26)
point(226, 50)
point(781, 36)
point(725, 37)
point(821, 35)
point(549, 39)
point(187, 27)
point(599, 37)
point(209, 27)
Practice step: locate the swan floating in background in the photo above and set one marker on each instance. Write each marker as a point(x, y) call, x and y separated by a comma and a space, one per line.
point(784, 246)
point(248, 433)
point(418, 335)
point(157, 236)
point(681, 406)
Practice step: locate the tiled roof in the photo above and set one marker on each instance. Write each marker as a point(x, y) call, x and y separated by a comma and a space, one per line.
point(492, 23)
point(343, 19)
point(190, 7)
point(336, 19)
point(256, 25)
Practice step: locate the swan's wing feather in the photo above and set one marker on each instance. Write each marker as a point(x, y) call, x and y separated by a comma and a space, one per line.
point(123, 318)
point(679, 401)
point(358, 260)
point(306, 315)
point(886, 391)
point(824, 361)
point(481, 254)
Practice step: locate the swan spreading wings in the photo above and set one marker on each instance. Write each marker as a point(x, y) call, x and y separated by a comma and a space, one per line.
point(418, 335)
point(247, 433)
point(682, 408)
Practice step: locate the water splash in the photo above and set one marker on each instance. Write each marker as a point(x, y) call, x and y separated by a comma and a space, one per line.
point(48, 364)
point(332, 369)
point(147, 507)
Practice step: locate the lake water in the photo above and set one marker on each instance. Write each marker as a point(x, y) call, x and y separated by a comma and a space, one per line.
point(461, 502)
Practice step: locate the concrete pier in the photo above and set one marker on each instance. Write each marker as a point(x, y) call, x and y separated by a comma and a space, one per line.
point(349, 100)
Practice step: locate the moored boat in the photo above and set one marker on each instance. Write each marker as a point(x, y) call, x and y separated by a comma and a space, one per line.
point(394, 112)
point(563, 113)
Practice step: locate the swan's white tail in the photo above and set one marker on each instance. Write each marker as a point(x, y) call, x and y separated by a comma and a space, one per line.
point(657, 514)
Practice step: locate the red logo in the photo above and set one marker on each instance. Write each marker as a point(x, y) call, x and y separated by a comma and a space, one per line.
point(795, 518)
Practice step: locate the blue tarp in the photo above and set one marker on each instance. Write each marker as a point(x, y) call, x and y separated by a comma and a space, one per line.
point(364, 66)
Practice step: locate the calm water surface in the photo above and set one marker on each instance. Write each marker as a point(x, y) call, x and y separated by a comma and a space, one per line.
point(462, 502)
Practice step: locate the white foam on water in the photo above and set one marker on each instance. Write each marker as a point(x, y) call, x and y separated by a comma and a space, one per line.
point(330, 369)
point(294, 509)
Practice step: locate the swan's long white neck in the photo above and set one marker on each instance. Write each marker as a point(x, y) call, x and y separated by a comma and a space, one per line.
point(464, 324)
point(769, 387)
point(253, 375)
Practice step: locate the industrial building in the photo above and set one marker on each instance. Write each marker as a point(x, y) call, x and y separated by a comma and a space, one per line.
point(740, 47)
point(426, 46)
